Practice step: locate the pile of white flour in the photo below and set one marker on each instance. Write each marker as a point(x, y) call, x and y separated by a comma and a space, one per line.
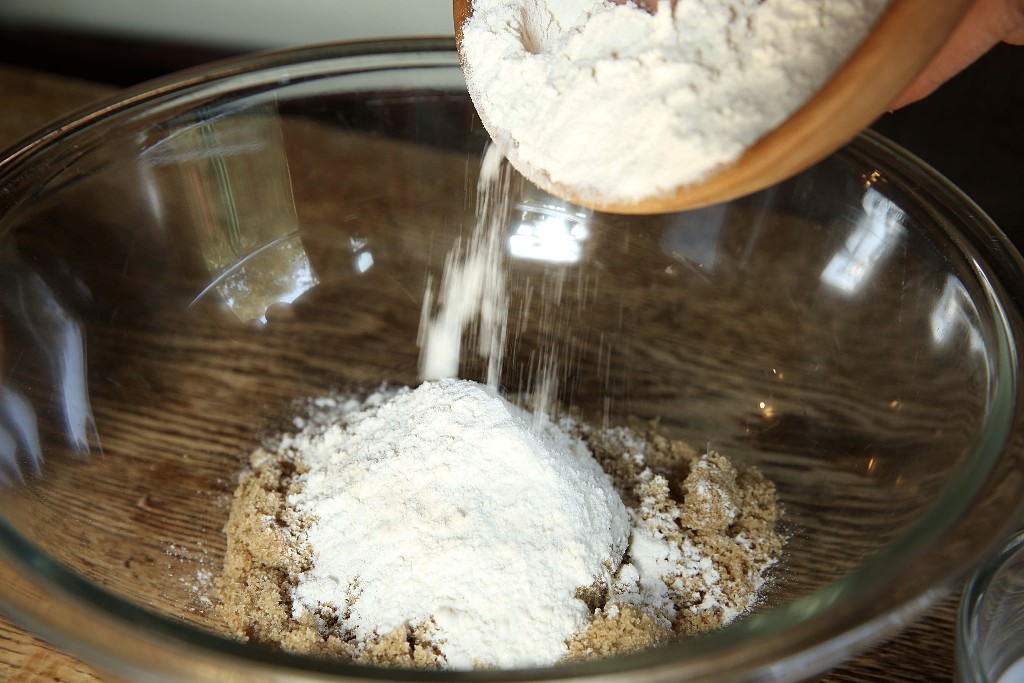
point(443, 527)
point(619, 104)
point(444, 506)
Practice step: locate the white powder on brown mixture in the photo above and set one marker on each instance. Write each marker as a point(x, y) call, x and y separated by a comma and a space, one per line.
point(440, 506)
point(702, 535)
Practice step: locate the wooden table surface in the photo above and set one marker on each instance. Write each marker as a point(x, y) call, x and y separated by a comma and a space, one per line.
point(922, 652)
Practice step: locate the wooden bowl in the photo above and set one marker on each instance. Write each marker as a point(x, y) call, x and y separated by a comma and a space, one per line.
point(903, 41)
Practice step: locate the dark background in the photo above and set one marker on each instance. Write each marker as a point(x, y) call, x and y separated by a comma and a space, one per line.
point(971, 130)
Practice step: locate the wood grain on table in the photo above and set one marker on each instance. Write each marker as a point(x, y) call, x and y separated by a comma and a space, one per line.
point(922, 652)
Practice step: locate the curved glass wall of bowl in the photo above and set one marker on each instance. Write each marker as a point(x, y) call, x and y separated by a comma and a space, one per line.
point(235, 176)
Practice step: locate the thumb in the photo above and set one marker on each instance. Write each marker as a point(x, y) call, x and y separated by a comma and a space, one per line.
point(986, 23)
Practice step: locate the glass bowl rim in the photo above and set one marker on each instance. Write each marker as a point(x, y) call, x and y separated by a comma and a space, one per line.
point(826, 636)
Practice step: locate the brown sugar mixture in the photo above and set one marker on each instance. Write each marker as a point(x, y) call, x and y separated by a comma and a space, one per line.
point(703, 533)
point(717, 520)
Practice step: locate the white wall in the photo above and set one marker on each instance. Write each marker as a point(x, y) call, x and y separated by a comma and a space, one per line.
point(239, 23)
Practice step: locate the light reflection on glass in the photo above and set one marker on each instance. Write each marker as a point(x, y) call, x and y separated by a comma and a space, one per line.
point(694, 236)
point(955, 311)
point(876, 234)
point(548, 231)
point(277, 273)
point(237, 185)
point(364, 261)
point(151, 189)
point(28, 304)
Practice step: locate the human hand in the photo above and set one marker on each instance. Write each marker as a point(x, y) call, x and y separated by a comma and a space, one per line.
point(986, 23)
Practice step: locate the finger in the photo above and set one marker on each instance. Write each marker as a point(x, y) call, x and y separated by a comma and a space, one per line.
point(986, 23)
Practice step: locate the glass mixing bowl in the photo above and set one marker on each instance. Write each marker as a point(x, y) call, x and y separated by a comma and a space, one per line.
point(180, 265)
